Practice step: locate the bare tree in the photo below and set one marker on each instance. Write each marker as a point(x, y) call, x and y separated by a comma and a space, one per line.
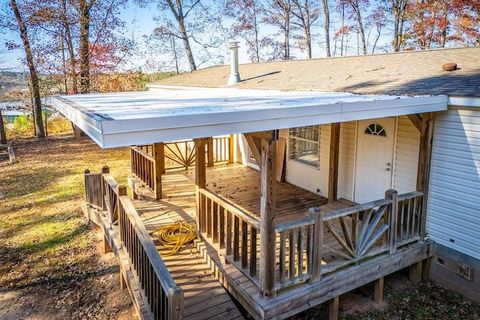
point(306, 12)
point(356, 10)
point(326, 26)
point(180, 11)
point(246, 15)
point(34, 82)
point(278, 14)
point(399, 10)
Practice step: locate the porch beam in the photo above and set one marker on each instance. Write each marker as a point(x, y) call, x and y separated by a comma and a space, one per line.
point(267, 214)
point(333, 166)
point(424, 162)
point(200, 174)
point(416, 121)
point(271, 135)
point(210, 150)
point(158, 151)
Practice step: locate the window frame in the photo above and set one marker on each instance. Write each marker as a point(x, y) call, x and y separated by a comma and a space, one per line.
point(292, 137)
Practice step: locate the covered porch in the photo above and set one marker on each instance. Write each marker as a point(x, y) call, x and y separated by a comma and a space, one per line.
point(277, 248)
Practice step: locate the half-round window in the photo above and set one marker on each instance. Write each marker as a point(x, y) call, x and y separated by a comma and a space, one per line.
point(376, 129)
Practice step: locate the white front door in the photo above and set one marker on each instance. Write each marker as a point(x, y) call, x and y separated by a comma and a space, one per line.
point(374, 163)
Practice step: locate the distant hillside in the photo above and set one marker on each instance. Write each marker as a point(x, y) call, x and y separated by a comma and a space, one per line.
point(10, 80)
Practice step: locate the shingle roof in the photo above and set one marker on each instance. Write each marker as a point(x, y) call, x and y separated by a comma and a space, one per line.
point(412, 72)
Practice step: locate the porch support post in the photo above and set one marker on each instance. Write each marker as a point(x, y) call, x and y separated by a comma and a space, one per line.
point(200, 175)
point(424, 160)
point(231, 149)
point(158, 150)
point(333, 167)
point(210, 150)
point(267, 214)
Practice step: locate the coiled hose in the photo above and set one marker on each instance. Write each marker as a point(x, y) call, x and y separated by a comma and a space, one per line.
point(173, 236)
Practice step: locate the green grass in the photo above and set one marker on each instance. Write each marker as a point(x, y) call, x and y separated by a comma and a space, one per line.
point(43, 234)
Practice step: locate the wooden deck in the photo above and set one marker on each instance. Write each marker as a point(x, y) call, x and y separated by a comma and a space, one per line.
point(204, 295)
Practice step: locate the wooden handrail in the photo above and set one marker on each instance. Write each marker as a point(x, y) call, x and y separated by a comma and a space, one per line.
point(143, 153)
point(350, 210)
point(230, 206)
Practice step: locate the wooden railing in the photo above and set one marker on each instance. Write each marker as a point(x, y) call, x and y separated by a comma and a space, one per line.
point(164, 297)
point(232, 229)
point(322, 243)
point(143, 165)
point(222, 149)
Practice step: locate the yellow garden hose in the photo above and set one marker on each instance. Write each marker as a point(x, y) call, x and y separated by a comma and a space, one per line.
point(174, 236)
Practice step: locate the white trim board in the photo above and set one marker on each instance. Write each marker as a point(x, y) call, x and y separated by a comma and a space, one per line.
point(464, 101)
point(125, 119)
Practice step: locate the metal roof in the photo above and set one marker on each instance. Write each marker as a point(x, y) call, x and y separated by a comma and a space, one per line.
point(174, 113)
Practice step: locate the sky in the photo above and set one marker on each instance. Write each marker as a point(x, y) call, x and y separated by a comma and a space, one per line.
point(140, 22)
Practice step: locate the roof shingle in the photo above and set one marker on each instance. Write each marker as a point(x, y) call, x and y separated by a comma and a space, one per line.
point(411, 73)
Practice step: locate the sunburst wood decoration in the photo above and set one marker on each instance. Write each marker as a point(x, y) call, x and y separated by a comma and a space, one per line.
point(359, 237)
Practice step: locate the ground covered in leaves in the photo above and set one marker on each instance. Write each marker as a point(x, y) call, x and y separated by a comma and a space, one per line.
point(50, 263)
point(51, 266)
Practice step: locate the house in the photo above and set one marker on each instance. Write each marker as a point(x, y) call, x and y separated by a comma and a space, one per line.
point(311, 178)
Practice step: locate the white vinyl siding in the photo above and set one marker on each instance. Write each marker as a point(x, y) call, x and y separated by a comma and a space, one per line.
point(406, 156)
point(346, 160)
point(453, 218)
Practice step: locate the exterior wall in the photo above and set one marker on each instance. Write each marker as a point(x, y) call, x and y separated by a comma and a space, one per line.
point(453, 217)
point(406, 156)
point(346, 160)
point(405, 160)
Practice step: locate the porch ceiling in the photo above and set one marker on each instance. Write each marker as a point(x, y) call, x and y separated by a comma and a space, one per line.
point(175, 113)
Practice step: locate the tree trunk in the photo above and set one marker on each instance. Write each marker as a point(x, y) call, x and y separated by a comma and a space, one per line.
point(399, 8)
point(186, 44)
point(326, 26)
point(84, 11)
point(3, 135)
point(361, 29)
point(71, 50)
point(39, 130)
point(286, 43)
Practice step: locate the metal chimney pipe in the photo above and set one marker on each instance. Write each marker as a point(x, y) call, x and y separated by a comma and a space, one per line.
point(234, 73)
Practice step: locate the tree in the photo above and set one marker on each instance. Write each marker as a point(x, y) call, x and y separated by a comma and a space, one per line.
point(3, 136)
point(278, 14)
point(399, 11)
point(355, 7)
point(34, 81)
point(326, 26)
point(306, 12)
point(84, 7)
point(246, 15)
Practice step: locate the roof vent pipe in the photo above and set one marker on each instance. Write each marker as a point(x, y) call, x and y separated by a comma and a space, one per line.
point(234, 73)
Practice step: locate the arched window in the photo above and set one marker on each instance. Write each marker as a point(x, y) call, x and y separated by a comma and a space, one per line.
point(376, 129)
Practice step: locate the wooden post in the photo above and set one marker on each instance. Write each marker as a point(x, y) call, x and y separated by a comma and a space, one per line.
point(267, 214)
point(333, 166)
point(210, 159)
point(200, 175)
point(121, 191)
point(333, 308)
point(379, 285)
point(231, 149)
point(123, 283)
point(106, 246)
point(158, 151)
point(424, 161)
point(105, 170)
point(77, 133)
point(415, 272)
point(392, 223)
point(316, 258)
point(11, 155)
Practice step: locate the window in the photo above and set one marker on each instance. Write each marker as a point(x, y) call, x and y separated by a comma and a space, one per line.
point(376, 129)
point(304, 145)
